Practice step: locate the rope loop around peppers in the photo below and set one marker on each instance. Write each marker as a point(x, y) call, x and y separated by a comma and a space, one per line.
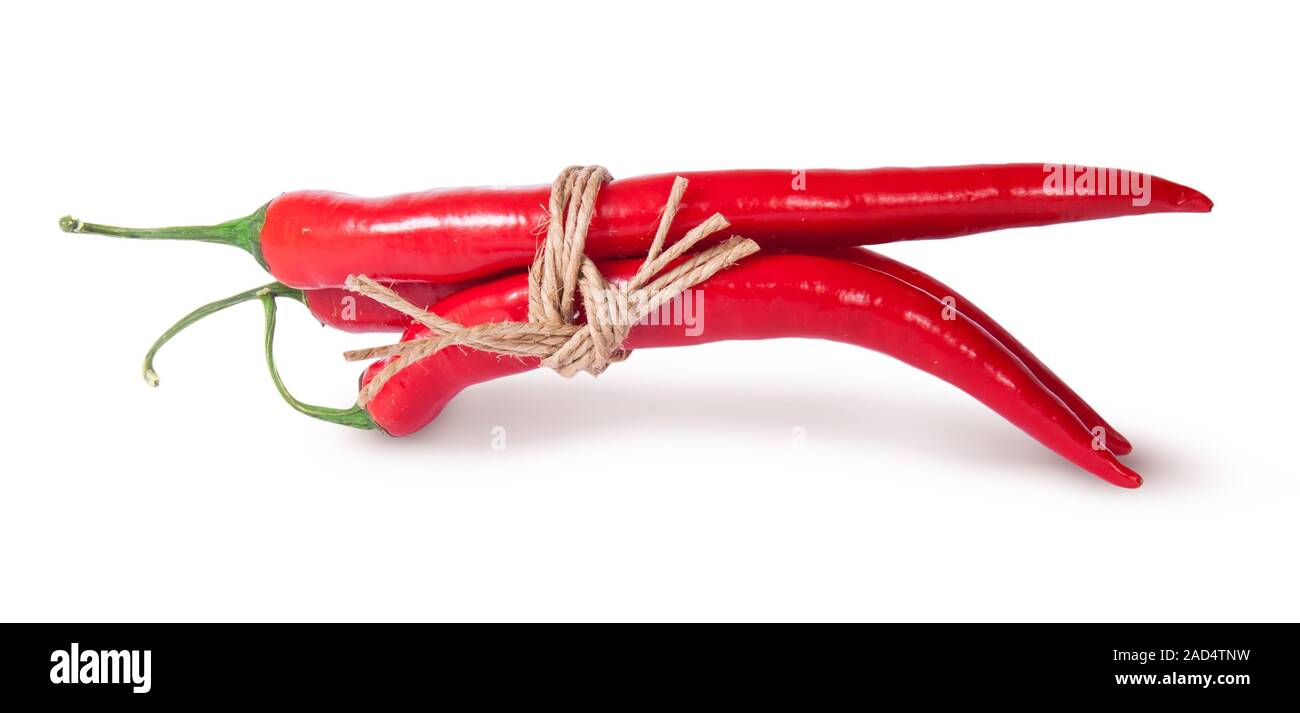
point(559, 274)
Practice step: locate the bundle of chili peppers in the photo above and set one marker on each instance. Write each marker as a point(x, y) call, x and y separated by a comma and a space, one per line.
point(456, 266)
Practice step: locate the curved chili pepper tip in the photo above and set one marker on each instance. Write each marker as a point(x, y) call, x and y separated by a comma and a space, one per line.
point(1116, 442)
point(1197, 202)
point(1128, 478)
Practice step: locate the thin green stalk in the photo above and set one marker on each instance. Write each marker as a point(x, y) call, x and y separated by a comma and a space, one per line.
point(276, 289)
point(244, 233)
point(356, 417)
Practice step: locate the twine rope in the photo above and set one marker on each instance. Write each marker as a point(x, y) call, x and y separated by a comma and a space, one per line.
point(559, 273)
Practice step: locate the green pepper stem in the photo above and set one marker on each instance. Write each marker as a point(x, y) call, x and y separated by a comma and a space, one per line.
point(276, 289)
point(356, 417)
point(244, 233)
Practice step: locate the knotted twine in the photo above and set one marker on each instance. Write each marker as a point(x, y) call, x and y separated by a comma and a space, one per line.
point(560, 270)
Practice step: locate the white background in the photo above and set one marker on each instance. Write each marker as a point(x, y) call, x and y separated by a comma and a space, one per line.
point(670, 488)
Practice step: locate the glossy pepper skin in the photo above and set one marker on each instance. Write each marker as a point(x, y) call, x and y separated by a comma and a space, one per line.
point(331, 307)
point(346, 311)
point(774, 296)
point(312, 239)
point(316, 239)
point(1114, 440)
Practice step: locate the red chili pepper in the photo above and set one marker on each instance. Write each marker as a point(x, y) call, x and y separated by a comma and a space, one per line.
point(311, 239)
point(331, 306)
point(341, 309)
point(762, 297)
point(1116, 442)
